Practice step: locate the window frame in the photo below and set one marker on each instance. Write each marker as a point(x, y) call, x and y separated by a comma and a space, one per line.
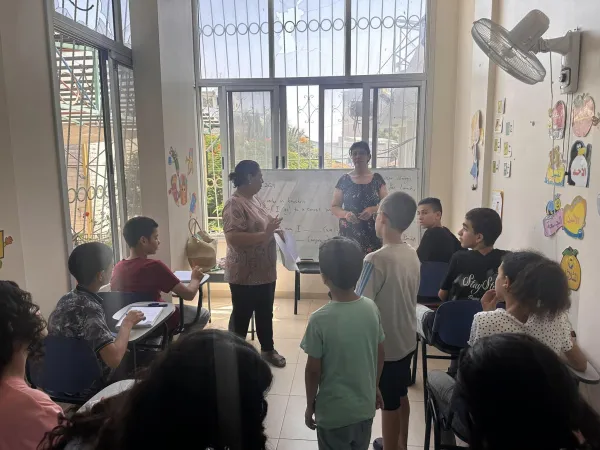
point(112, 54)
point(420, 80)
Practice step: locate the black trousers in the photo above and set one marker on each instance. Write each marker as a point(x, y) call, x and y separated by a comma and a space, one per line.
point(257, 299)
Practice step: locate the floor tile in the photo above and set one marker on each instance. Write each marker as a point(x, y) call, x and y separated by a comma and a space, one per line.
point(297, 444)
point(415, 392)
point(289, 348)
point(416, 425)
point(275, 415)
point(272, 444)
point(316, 304)
point(282, 379)
point(288, 328)
point(298, 387)
point(293, 423)
point(284, 309)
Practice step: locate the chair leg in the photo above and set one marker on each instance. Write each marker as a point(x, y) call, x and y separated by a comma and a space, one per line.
point(428, 422)
point(437, 434)
point(209, 308)
point(415, 359)
point(424, 368)
point(296, 292)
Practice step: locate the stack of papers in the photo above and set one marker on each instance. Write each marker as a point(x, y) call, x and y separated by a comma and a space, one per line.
point(289, 253)
point(150, 314)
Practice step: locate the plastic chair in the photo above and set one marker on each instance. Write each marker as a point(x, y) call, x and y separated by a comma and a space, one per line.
point(306, 267)
point(451, 332)
point(432, 275)
point(69, 371)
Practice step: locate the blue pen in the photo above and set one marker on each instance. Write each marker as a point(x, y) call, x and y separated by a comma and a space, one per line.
point(157, 305)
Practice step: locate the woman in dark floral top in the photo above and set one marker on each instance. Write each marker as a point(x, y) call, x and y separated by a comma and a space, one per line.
point(356, 199)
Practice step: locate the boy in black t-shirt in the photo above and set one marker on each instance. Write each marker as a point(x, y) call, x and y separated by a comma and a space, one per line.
point(472, 273)
point(438, 243)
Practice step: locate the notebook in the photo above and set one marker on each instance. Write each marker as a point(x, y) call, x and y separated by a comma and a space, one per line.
point(150, 313)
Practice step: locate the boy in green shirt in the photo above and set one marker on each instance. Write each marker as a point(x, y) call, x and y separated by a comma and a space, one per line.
point(344, 344)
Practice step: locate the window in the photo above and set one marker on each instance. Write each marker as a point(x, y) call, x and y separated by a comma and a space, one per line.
point(211, 139)
point(302, 80)
point(126, 22)
point(309, 38)
point(86, 158)
point(131, 162)
point(234, 38)
point(388, 37)
point(94, 14)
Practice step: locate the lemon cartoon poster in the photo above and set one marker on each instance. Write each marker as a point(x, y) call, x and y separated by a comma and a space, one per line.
point(571, 267)
point(574, 217)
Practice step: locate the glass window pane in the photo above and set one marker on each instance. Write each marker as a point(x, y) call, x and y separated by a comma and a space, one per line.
point(309, 38)
point(252, 127)
point(126, 22)
point(94, 14)
point(397, 115)
point(131, 162)
point(343, 125)
point(234, 38)
point(388, 36)
point(302, 127)
point(83, 135)
point(211, 129)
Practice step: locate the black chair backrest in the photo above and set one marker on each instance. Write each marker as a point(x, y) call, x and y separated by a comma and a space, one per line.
point(68, 366)
point(453, 321)
point(432, 275)
point(114, 301)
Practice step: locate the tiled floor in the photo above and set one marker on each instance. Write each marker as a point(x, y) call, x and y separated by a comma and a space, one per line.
point(287, 400)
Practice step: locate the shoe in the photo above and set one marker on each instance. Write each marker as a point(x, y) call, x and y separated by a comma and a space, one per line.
point(378, 444)
point(274, 358)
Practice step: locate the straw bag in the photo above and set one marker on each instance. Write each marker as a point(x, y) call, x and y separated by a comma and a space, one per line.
point(200, 248)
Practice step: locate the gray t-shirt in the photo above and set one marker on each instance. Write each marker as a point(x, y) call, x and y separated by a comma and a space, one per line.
point(391, 277)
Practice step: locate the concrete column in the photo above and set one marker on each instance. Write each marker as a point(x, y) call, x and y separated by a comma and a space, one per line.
point(163, 59)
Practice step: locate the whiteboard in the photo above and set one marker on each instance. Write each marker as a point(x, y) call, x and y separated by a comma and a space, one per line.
point(303, 199)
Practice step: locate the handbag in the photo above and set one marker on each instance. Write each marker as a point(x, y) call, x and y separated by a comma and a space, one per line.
point(201, 249)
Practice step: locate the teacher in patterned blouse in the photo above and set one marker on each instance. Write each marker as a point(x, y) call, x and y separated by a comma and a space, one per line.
point(251, 260)
point(356, 199)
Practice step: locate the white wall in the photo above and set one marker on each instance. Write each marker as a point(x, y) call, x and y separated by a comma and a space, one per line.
point(165, 106)
point(525, 193)
point(31, 205)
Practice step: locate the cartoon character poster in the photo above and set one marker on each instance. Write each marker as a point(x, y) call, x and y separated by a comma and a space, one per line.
point(579, 164)
point(574, 217)
point(476, 137)
point(571, 267)
point(193, 204)
point(190, 161)
point(584, 110)
point(555, 174)
point(179, 183)
point(4, 242)
point(553, 222)
point(558, 116)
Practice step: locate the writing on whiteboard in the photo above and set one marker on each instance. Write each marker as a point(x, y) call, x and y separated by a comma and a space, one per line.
point(303, 200)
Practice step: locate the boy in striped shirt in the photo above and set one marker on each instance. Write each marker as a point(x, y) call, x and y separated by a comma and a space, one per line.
point(391, 277)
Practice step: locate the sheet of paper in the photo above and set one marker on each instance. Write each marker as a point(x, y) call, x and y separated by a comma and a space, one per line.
point(150, 314)
point(289, 253)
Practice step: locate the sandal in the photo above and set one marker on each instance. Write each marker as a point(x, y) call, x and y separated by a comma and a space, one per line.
point(274, 358)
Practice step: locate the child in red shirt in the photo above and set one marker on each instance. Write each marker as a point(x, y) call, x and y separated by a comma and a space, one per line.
point(138, 273)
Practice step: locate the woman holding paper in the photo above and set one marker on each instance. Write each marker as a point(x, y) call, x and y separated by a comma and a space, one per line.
point(251, 260)
point(356, 198)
